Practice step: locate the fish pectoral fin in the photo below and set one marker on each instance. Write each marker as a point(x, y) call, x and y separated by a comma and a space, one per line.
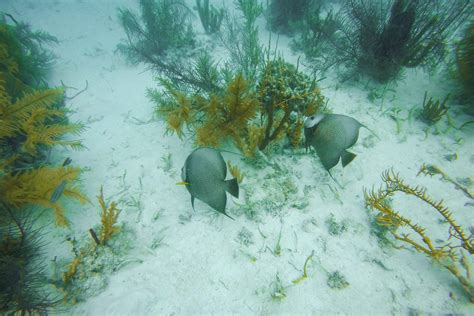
point(232, 186)
point(347, 157)
point(218, 202)
point(334, 179)
point(373, 133)
point(192, 202)
point(329, 157)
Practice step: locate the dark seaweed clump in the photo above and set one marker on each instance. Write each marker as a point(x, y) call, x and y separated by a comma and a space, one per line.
point(381, 38)
point(318, 28)
point(32, 120)
point(25, 63)
point(162, 25)
point(465, 66)
point(284, 15)
point(26, 58)
point(22, 279)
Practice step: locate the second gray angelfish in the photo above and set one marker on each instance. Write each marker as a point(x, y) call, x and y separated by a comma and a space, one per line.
point(331, 135)
point(204, 174)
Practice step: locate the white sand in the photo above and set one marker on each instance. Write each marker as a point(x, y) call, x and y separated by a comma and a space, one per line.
point(201, 267)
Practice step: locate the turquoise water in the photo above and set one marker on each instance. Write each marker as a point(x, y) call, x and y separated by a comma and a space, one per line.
point(302, 238)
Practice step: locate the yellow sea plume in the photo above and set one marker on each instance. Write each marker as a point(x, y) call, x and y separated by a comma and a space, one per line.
point(72, 270)
point(228, 115)
point(452, 253)
point(38, 187)
point(6, 61)
point(248, 145)
point(295, 132)
point(236, 172)
point(34, 117)
point(108, 218)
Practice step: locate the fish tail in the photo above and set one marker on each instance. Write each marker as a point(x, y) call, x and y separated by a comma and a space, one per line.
point(347, 157)
point(232, 186)
point(370, 131)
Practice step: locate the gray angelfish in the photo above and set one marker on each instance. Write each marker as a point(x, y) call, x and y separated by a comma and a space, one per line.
point(331, 135)
point(204, 174)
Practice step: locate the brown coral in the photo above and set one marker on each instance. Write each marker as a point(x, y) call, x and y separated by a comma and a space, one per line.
point(250, 116)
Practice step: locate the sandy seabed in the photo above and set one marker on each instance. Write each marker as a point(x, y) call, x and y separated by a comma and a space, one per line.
point(186, 262)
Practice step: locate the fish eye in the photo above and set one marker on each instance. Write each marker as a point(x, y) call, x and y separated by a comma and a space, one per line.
point(312, 117)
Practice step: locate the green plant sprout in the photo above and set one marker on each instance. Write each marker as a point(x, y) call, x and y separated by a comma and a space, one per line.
point(167, 162)
point(277, 250)
point(394, 113)
point(433, 110)
point(247, 254)
point(305, 270)
point(130, 199)
point(158, 239)
point(277, 290)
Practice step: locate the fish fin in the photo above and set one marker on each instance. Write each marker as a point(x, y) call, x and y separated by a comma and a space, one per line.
point(192, 202)
point(334, 179)
point(231, 152)
point(232, 186)
point(328, 158)
point(370, 131)
point(347, 157)
point(218, 202)
point(228, 216)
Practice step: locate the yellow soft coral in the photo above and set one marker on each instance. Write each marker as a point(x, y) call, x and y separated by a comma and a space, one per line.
point(37, 186)
point(35, 118)
point(295, 132)
point(228, 115)
point(37, 132)
point(108, 218)
point(447, 254)
point(236, 172)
